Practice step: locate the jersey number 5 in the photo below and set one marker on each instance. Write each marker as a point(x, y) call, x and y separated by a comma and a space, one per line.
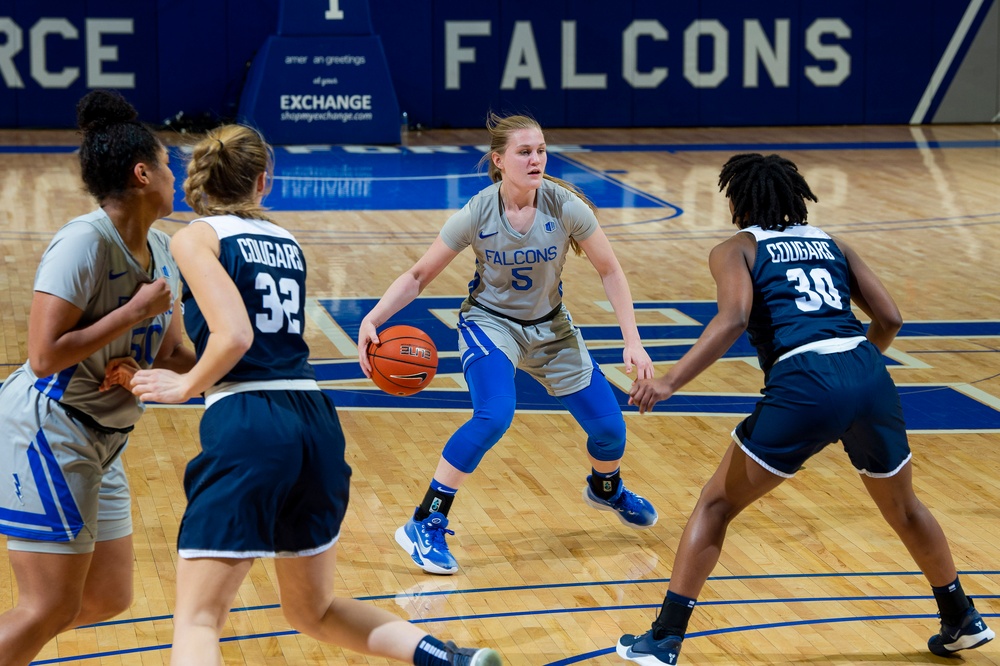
point(817, 288)
point(520, 279)
point(278, 308)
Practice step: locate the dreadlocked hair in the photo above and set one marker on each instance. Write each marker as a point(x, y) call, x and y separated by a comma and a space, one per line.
point(765, 191)
point(501, 129)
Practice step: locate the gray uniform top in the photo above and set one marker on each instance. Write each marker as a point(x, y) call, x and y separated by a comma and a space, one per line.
point(88, 265)
point(519, 275)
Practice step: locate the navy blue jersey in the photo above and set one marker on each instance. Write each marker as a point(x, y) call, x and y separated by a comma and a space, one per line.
point(801, 292)
point(266, 263)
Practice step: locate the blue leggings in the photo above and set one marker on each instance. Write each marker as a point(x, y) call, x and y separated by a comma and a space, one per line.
point(491, 385)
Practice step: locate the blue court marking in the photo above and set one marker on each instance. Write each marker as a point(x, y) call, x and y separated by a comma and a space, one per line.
point(925, 407)
point(321, 178)
point(639, 199)
point(761, 627)
point(405, 180)
point(589, 655)
point(785, 147)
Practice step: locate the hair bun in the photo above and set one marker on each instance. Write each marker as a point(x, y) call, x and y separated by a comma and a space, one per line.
point(101, 108)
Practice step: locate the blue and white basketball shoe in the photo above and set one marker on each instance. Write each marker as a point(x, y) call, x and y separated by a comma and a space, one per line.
point(458, 656)
point(424, 540)
point(971, 632)
point(633, 510)
point(648, 651)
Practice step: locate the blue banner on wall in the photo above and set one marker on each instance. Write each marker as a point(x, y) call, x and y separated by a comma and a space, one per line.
point(570, 63)
point(702, 62)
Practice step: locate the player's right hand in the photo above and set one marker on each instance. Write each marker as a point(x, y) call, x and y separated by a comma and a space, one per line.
point(160, 385)
point(645, 393)
point(366, 336)
point(152, 298)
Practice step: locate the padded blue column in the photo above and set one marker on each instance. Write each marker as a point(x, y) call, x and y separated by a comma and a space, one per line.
point(322, 79)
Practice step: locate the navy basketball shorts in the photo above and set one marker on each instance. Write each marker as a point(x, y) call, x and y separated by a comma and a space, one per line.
point(271, 479)
point(812, 400)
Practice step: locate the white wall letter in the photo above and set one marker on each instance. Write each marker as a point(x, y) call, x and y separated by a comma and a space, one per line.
point(570, 78)
point(720, 58)
point(96, 53)
point(835, 52)
point(756, 47)
point(45, 78)
point(522, 59)
point(10, 48)
point(630, 53)
point(454, 53)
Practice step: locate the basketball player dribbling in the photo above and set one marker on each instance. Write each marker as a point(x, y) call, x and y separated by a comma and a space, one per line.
point(521, 229)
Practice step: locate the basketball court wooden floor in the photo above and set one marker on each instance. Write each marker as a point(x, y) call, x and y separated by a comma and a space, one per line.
point(809, 575)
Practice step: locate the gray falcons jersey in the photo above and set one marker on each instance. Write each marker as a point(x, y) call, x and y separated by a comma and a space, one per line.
point(88, 265)
point(519, 275)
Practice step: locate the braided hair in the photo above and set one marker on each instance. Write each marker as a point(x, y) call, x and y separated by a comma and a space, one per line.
point(765, 191)
point(223, 171)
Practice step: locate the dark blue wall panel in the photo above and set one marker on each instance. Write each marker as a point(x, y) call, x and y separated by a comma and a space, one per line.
point(639, 62)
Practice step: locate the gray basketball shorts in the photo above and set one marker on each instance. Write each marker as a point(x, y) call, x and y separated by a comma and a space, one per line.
point(553, 352)
point(62, 484)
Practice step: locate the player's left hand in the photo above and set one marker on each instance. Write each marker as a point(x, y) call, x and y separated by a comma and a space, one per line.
point(160, 386)
point(635, 354)
point(118, 372)
point(647, 392)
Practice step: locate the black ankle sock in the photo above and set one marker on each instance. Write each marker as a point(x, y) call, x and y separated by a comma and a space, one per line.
point(605, 485)
point(434, 500)
point(429, 652)
point(673, 617)
point(952, 602)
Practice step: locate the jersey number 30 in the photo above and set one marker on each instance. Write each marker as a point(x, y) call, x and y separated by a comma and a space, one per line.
point(817, 288)
point(281, 301)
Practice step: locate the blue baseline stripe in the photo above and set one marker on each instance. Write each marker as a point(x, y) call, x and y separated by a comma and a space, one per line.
point(759, 627)
point(569, 660)
point(604, 583)
point(674, 147)
point(580, 610)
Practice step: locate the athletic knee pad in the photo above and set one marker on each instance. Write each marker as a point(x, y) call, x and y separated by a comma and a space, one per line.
point(470, 442)
point(605, 437)
point(597, 411)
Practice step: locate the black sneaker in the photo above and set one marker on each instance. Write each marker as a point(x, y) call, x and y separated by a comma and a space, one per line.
point(458, 656)
point(971, 632)
point(648, 651)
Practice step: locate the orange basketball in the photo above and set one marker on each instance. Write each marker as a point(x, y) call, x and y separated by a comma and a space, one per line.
point(404, 362)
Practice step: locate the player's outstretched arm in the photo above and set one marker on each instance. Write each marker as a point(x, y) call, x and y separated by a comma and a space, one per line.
point(602, 256)
point(729, 262)
point(401, 293)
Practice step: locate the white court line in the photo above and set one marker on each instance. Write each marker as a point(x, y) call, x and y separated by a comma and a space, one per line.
point(945, 63)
